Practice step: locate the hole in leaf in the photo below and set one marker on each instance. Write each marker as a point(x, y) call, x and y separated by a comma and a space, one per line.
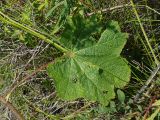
point(74, 80)
point(100, 71)
point(105, 92)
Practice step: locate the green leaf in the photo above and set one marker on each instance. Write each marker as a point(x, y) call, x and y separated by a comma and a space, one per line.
point(53, 8)
point(78, 31)
point(91, 72)
point(121, 96)
point(62, 18)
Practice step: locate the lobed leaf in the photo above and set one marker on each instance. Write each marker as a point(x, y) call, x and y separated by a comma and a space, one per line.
point(92, 72)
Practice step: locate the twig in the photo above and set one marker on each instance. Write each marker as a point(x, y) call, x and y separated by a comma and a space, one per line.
point(34, 54)
point(121, 6)
point(17, 84)
point(50, 95)
point(150, 79)
point(17, 114)
point(109, 9)
point(149, 107)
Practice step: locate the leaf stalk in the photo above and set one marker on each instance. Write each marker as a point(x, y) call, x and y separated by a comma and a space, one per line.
point(10, 21)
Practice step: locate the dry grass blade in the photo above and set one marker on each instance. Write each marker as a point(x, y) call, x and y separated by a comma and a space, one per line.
point(14, 86)
point(12, 108)
point(150, 79)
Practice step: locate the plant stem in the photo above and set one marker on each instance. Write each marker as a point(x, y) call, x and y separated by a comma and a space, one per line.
point(144, 33)
point(8, 20)
point(150, 79)
point(12, 108)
